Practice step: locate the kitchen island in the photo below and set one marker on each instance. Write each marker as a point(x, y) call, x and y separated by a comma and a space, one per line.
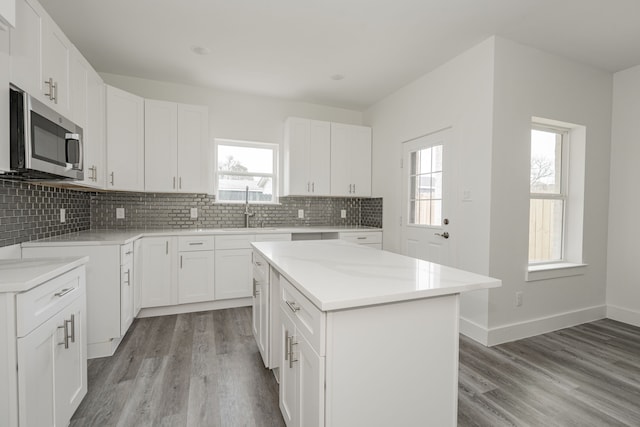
point(366, 337)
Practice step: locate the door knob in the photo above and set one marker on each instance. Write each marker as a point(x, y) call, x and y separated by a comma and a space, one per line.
point(444, 235)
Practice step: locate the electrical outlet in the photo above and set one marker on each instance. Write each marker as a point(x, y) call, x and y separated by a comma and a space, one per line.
point(63, 215)
point(518, 299)
point(343, 213)
point(194, 213)
point(301, 213)
point(119, 213)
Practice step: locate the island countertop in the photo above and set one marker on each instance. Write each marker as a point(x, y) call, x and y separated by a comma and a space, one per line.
point(20, 275)
point(337, 275)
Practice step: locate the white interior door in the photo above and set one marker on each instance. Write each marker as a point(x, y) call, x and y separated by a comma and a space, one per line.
point(427, 231)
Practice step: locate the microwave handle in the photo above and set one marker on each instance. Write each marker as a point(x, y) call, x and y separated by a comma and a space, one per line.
point(75, 137)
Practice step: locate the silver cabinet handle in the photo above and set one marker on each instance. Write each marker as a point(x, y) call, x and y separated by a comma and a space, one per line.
point(286, 345)
point(313, 187)
point(49, 82)
point(73, 327)
point(112, 178)
point(63, 292)
point(180, 183)
point(174, 182)
point(167, 247)
point(361, 238)
point(444, 235)
point(65, 340)
point(128, 252)
point(128, 281)
point(291, 344)
point(292, 306)
point(196, 243)
point(354, 188)
point(55, 92)
point(254, 286)
point(308, 187)
point(180, 261)
point(258, 263)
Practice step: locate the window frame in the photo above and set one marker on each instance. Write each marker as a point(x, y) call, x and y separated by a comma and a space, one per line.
point(274, 147)
point(562, 195)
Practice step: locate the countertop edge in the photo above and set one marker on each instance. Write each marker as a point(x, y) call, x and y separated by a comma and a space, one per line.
point(24, 286)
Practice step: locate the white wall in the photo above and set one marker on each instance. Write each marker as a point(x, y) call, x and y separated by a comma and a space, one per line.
point(459, 94)
point(623, 275)
point(529, 82)
point(235, 115)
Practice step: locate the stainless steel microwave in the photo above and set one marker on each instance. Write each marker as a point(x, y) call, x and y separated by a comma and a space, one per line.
point(43, 144)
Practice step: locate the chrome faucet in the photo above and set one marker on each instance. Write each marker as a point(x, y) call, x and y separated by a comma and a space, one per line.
point(247, 214)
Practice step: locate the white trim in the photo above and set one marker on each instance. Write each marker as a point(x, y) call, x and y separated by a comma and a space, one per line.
point(474, 331)
point(195, 307)
point(556, 270)
point(625, 315)
point(542, 325)
point(103, 349)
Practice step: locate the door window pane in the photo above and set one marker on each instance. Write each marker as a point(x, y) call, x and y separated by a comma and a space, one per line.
point(425, 187)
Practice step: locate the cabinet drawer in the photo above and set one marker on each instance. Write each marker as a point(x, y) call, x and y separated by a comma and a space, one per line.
point(203, 243)
point(126, 253)
point(260, 265)
point(37, 305)
point(362, 237)
point(308, 318)
point(236, 241)
point(276, 237)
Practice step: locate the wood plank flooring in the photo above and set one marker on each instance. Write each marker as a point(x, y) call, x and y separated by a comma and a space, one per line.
point(204, 369)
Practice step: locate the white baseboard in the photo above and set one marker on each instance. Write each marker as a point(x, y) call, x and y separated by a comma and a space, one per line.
point(542, 325)
point(195, 307)
point(625, 315)
point(530, 328)
point(474, 331)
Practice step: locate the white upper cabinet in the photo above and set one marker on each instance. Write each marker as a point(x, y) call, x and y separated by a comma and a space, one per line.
point(350, 160)
point(307, 157)
point(160, 145)
point(94, 132)
point(41, 57)
point(8, 12)
point(194, 158)
point(78, 80)
point(125, 140)
point(176, 153)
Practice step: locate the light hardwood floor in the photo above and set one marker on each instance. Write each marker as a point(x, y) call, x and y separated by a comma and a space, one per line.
point(204, 369)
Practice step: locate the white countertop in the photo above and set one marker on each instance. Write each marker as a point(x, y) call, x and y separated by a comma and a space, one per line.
point(20, 275)
point(120, 237)
point(336, 275)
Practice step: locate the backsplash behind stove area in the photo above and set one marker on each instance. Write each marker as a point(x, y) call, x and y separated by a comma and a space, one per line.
point(32, 211)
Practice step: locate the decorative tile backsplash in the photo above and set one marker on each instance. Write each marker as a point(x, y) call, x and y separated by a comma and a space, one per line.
point(32, 211)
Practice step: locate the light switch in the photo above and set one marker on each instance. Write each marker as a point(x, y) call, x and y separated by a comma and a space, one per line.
point(63, 215)
point(343, 213)
point(194, 213)
point(301, 213)
point(119, 213)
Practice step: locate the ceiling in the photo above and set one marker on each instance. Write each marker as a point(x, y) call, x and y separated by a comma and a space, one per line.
point(290, 48)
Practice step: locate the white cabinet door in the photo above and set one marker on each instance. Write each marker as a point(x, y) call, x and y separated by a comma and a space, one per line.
point(78, 84)
point(56, 55)
point(158, 272)
point(307, 157)
point(310, 384)
point(160, 145)
point(195, 173)
point(196, 276)
point(350, 160)
point(137, 277)
point(52, 378)
point(94, 132)
point(71, 364)
point(263, 315)
point(288, 373)
point(125, 140)
point(233, 274)
point(26, 48)
point(255, 313)
point(126, 297)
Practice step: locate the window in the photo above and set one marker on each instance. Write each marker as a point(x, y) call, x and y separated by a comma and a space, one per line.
point(556, 199)
point(548, 194)
point(246, 168)
point(425, 197)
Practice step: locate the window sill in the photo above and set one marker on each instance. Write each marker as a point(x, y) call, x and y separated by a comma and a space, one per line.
point(554, 271)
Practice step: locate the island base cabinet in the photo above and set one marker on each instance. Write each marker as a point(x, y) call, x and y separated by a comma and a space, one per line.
point(301, 379)
point(421, 336)
point(52, 377)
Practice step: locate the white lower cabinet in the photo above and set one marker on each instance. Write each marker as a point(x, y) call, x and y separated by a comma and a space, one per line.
point(109, 290)
point(233, 273)
point(301, 377)
point(196, 276)
point(158, 275)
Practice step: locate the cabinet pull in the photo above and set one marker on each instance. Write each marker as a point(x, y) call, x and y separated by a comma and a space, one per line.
point(196, 243)
point(313, 187)
point(128, 252)
point(174, 182)
point(95, 173)
point(354, 189)
point(73, 327)
point(291, 344)
point(50, 83)
point(55, 92)
point(258, 263)
point(361, 238)
point(63, 292)
point(128, 281)
point(112, 179)
point(180, 261)
point(254, 287)
point(292, 306)
point(308, 187)
point(167, 247)
point(180, 183)
point(286, 345)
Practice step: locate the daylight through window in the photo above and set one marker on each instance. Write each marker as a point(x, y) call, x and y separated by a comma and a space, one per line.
point(425, 186)
point(244, 164)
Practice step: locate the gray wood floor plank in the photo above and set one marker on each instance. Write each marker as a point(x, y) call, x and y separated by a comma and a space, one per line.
point(144, 402)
